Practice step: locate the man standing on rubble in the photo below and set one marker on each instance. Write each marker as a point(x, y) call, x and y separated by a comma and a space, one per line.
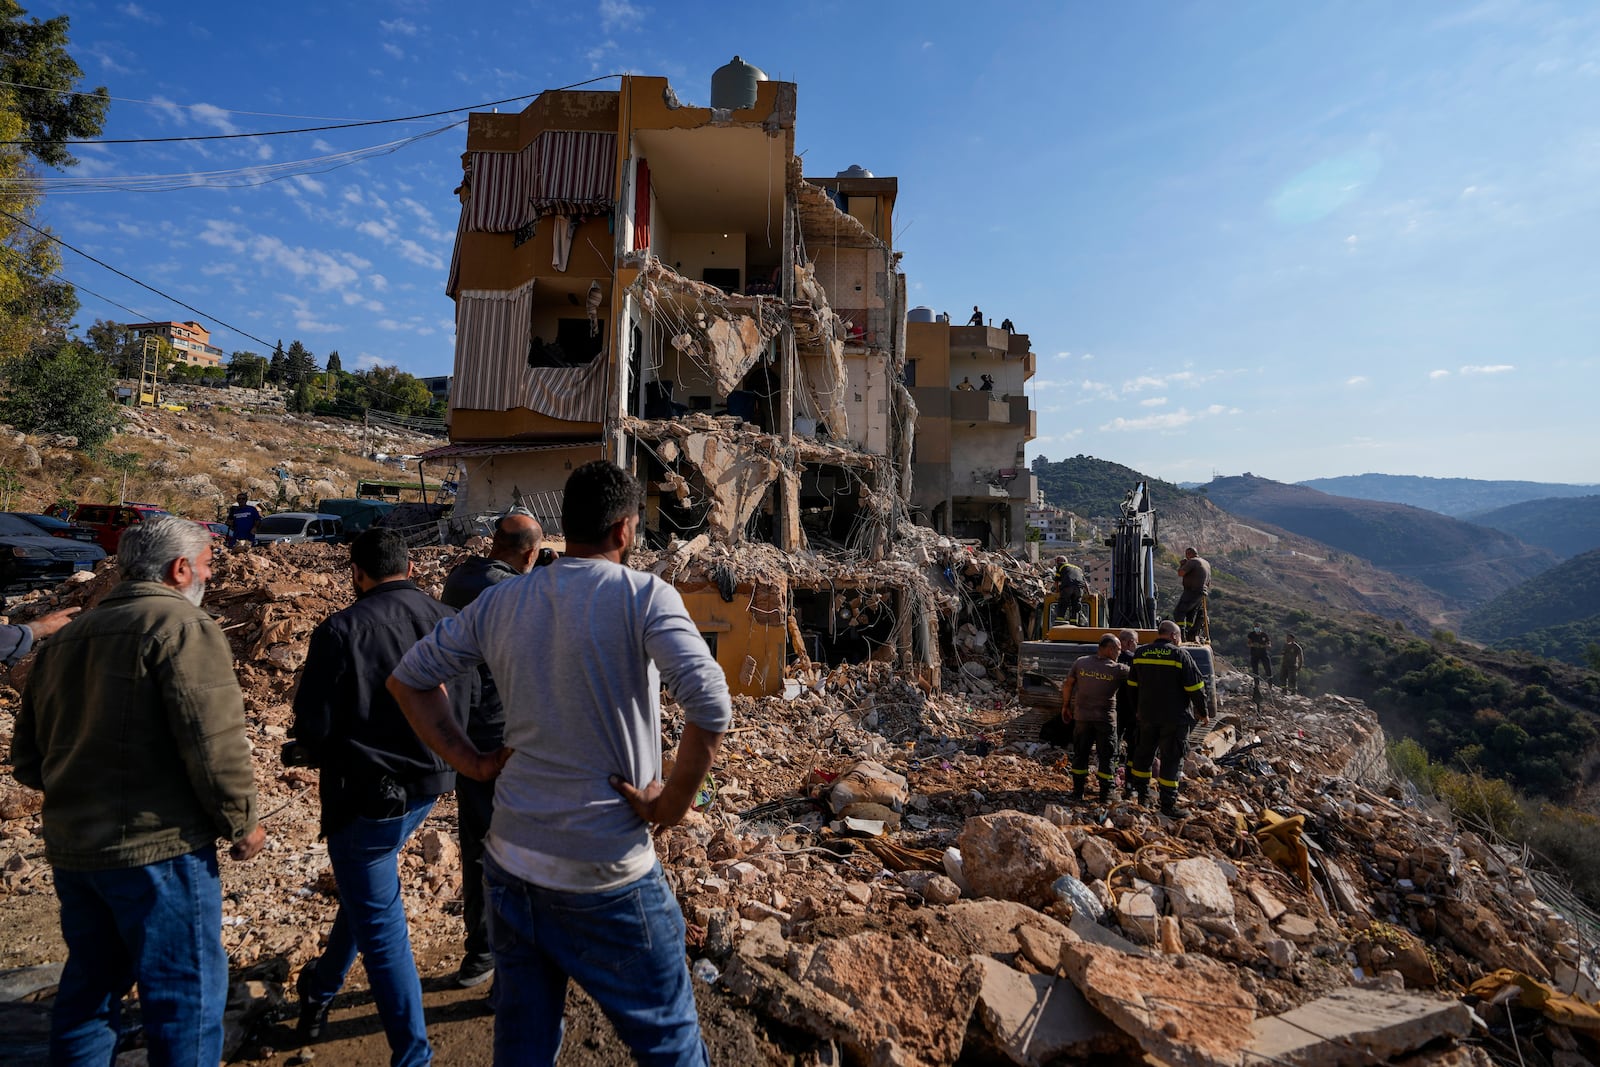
point(133, 725)
point(1127, 705)
point(378, 783)
point(1172, 698)
point(515, 547)
point(1289, 664)
point(1260, 653)
point(243, 519)
point(572, 880)
point(1195, 574)
point(1087, 696)
point(1070, 587)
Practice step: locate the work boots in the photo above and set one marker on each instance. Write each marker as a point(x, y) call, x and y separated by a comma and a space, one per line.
point(1169, 805)
point(1079, 783)
point(1105, 790)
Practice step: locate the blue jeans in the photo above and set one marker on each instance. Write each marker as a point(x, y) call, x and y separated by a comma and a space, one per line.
point(159, 926)
point(623, 946)
point(372, 920)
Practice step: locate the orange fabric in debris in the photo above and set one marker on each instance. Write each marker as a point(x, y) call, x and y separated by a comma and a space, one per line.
point(1563, 1008)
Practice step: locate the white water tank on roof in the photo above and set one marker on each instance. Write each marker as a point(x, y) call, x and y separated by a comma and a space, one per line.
point(733, 86)
point(855, 170)
point(921, 314)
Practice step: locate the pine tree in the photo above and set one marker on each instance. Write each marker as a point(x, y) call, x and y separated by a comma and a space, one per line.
point(275, 366)
point(299, 365)
point(335, 364)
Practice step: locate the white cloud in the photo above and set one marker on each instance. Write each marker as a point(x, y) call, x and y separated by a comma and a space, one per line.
point(214, 116)
point(1063, 355)
point(1153, 402)
point(1437, 374)
point(366, 361)
point(1170, 420)
point(394, 50)
point(318, 144)
point(1496, 368)
point(139, 14)
point(389, 324)
point(1357, 380)
point(378, 282)
point(1143, 382)
point(310, 184)
point(400, 26)
point(222, 235)
point(619, 14)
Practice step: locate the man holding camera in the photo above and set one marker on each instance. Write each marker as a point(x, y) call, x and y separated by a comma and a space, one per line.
point(378, 783)
point(514, 550)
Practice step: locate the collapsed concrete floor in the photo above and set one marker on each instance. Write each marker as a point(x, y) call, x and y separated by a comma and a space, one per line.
point(1309, 912)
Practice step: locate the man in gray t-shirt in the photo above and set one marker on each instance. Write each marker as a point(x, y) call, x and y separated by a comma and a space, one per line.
point(579, 651)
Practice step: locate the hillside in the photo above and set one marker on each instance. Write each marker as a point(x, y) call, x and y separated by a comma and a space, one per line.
point(1565, 525)
point(1094, 488)
point(1466, 564)
point(1556, 614)
point(1458, 497)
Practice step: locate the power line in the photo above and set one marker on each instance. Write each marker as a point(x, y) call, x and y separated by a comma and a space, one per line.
point(131, 278)
point(231, 178)
point(170, 104)
point(310, 129)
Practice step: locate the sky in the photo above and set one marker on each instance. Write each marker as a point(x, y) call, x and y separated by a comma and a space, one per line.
point(1298, 240)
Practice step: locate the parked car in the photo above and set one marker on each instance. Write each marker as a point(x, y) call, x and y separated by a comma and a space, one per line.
point(299, 527)
point(55, 527)
point(109, 520)
point(218, 530)
point(32, 559)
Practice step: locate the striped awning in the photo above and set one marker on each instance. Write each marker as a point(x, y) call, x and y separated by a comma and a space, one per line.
point(493, 330)
point(501, 184)
point(574, 172)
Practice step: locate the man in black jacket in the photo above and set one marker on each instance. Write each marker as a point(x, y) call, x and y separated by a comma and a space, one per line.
point(1172, 696)
point(517, 537)
point(378, 783)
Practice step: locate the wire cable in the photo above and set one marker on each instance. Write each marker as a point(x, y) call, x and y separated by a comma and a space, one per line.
point(171, 104)
point(232, 178)
point(310, 129)
point(131, 278)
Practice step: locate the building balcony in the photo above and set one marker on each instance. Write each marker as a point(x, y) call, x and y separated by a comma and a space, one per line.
point(977, 406)
point(933, 401)
point(1007, 483)
point(982, 340)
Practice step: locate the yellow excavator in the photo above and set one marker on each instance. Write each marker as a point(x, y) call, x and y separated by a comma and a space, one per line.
point(1043, 665)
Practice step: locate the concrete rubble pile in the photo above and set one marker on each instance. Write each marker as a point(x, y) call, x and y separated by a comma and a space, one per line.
point(892, 870)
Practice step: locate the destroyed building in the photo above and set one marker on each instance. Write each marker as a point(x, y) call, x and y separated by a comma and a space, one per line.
point(658, 284)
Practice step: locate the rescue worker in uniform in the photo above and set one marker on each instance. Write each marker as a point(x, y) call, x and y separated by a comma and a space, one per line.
point(1260, 653)
point(1070, 586)
point(1289, 664)
point(1127, 705)
point(1191, 610)
point(1172, 698)
point(1087, 697)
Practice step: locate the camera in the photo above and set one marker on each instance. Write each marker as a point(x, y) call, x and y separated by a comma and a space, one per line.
point(547, 556)
point(294, 754)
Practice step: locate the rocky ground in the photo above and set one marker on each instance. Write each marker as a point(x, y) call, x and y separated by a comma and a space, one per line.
point(894, 876)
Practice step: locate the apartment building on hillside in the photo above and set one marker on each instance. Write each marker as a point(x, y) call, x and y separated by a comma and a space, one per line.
point(659, 285)
point(970, 478)
point(190, 341)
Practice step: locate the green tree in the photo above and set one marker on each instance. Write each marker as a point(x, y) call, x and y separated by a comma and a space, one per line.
point(298, 364)
point(392, 389)
point(59, 388)
point(247, 369)
point(335, 364)
point(275, 365)
point(34, 54)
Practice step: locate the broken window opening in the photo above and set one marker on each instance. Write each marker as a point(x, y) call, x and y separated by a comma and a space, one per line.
point(830, 503)
point(846, 625)
point(676, 505)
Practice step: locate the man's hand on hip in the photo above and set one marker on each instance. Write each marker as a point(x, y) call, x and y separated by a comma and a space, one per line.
point(247, 846)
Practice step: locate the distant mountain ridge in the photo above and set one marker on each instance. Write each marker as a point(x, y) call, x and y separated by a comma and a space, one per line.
point(1094, 488)
point(1555, 614)
point(1458, 497)
point(1466, 563)
point(1566, 525)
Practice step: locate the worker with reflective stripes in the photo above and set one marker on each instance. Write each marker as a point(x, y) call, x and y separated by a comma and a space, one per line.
point(1172, 697)
point(1087, 697)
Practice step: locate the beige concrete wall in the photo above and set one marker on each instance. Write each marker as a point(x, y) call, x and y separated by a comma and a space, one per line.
point(490, 482)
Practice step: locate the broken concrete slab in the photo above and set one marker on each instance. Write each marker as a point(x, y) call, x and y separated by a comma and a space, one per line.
point(989, 927)
point(1098, 856)
point(1040, 947)
point(1197, 888)
point(1187, 1011)
point(1014, 856)
point(1035, 1019)
point(1270, 906)
point(1357, 1026)
point(1139, 914)
point(1297, 928)
point(902, 994)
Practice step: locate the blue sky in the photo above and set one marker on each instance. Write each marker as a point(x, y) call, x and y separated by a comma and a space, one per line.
point(1299, 240)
